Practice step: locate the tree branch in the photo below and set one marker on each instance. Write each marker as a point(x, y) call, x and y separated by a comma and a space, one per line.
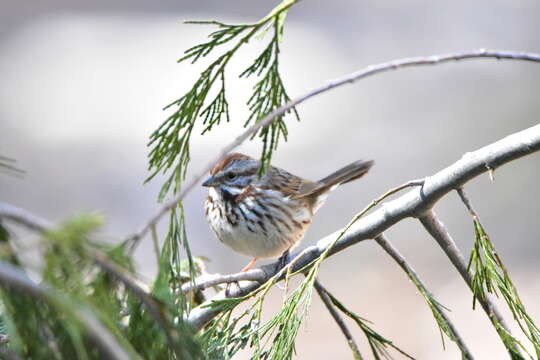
point(24, 218)
point(438, 231)
point(208, 280)
point(323, 294)
point(411, 204)
point(402, 262)
point(347, 79)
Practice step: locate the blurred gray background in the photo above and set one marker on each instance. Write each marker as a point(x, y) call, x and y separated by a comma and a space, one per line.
point(83, 84)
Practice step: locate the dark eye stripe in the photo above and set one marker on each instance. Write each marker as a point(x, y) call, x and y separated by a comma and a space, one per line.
point(240, 174)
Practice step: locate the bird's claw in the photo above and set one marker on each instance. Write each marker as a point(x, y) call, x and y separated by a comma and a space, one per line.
point(228, 288)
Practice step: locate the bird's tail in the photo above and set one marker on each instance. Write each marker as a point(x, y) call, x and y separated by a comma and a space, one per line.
point(348, 173)
point(344, 175)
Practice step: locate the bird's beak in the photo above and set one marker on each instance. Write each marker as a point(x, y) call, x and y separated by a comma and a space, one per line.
point(211, 181)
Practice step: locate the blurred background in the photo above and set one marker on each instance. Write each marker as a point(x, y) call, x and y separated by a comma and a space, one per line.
point(83, 85)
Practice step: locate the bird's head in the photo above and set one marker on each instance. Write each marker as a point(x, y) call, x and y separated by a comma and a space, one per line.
point(233, 173)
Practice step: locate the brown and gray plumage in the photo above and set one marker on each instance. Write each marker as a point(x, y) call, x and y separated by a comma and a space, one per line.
point(265, 217)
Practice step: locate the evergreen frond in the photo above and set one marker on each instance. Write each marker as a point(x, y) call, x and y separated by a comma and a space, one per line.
point(170, 152)
point(379, 344)
point(489, 275)
point(268, 94)
point(78, 299)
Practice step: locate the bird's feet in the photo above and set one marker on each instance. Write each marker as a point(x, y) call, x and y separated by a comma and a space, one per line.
point(228, 288)
point(283, 260)
point(250, 265)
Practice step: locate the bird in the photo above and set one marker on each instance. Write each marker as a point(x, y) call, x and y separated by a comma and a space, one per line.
point(266, 216)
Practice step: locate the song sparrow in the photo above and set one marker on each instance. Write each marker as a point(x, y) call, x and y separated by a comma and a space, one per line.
point(267, 216)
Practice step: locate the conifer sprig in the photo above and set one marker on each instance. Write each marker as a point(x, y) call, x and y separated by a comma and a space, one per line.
point(75, 295)
point(379, 345)
point(489, 275)
point(268, 94)
point(207, 98)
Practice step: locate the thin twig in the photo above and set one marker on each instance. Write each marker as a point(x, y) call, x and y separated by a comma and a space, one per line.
point(438, 231)
point(24, 218)
point(402, 262)
point(411, 183)
point(467, 202)
point(323, 294)
point(209, 280)
point(347, 79)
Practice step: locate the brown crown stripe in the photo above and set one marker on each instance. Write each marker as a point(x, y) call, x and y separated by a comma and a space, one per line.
point(224, 162)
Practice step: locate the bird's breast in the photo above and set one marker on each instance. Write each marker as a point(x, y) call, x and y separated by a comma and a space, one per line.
point(262, 224)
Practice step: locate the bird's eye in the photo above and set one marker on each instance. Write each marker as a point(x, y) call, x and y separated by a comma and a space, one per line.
point(231, 175)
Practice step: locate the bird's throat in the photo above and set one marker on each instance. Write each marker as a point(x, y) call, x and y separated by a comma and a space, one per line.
point(229, 194)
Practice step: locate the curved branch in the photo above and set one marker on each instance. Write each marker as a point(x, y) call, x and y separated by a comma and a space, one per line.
point(205, 281)
point(24, 218)
point(412, 204)
point(347, 79)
